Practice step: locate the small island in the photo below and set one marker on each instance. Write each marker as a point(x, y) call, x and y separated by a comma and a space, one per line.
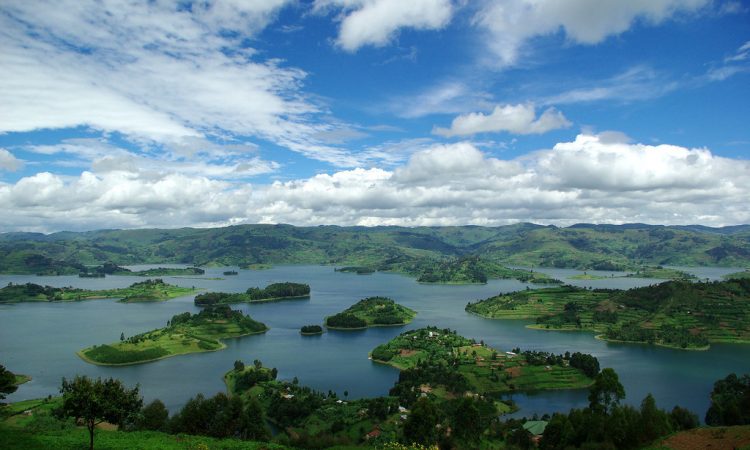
point(677, 314)
point(311, 330)
point(371, 312)
point(230, 272)
point(444, 364)
point(184, 333)
point(662, 273)
point(155, 290)
point(271, 293)
point(359, 270)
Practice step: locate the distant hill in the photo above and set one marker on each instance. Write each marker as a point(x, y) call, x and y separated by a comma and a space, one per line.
point(403, 249)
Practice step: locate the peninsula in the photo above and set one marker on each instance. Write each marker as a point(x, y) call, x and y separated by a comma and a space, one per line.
point(371, 312)
point(184, 333)
point(155, 290)
point(677, 314)
point(272, 292)
point(442, 363)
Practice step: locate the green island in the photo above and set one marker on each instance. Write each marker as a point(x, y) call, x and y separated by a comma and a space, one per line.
point(256, 266)
point(676, 314)
point(272, 292)
point(109, 268)
point(230, 272)
point(737, 275)
point(155, 290)
point(659, 272)
point(474, 270)
point(310, 330)
point(371, 312)
point(184, 333)
point(359, 270)
point(444, 364)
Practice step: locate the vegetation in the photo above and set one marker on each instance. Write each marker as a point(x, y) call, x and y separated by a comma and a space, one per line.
point(230, 272)
point(730, 401)
point(95, 401)
point(677, 314)
point(311, 329)
point(144, 291)
point(663, 273)
point(738, 275)
point(272, 292)
point(371, 312)
point(443, 364)
point(8, 382)
point(184, 333)
point(407, 250)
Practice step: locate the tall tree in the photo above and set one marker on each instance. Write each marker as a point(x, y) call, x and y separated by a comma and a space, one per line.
point(420, 426)
point(7, 382)
point(97, 401)
point(606, 391)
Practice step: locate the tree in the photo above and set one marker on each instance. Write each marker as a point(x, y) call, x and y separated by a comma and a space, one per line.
point(654, 422)
point(606, 391)
point(420, 425)
point(97, 401)
point(154, 417)
point(7, 382)
point(466, 420)
point(257, 364)
point(239, 366)
point(122, 336)
point(730, 401)
point(254, 422)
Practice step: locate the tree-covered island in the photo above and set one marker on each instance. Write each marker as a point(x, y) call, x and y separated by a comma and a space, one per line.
point(371, 312)
point(444, 364)
point(272, 292)
point(184, 333)
point(113, 269)
point(310, 330)
point(475, 270)
point(155, 290)
point(677, 314)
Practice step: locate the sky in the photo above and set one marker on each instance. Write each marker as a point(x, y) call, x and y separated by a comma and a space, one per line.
point(135, 114)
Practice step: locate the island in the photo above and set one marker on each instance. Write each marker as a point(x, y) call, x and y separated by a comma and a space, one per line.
point(659, 272)
point(311, 330)
point(676, 314)
point(113, 269)
point(230, 272)
point(359, 270)
point(184, 333)
point(272, 292)
point(475, 270)
point(371, 312)
point(737, 275)
point(155, 290)
point(443, 364)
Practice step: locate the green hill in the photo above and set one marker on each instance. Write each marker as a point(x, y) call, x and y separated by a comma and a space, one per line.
point(678, 314)
point(370, 312)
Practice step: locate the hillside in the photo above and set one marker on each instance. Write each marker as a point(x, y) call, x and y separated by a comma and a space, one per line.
point(407, 250)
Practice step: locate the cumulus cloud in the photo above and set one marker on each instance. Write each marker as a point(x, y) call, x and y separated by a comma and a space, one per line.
point(516, 119)
point(594, 178)
point(376, 22)
point(510, 23)
point(8, 161)
point(155, 72)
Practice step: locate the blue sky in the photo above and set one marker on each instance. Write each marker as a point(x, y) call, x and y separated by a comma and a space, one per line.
point(373, 112)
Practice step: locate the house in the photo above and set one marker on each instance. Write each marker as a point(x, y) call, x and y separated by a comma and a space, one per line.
point(375, 433)
point(288, 396)
point(536, 428)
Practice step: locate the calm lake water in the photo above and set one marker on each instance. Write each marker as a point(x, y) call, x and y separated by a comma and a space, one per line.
point(41, 339)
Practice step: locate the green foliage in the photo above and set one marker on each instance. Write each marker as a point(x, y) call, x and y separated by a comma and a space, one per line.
point(153, 417)
point(107, 354)
point(730, 401)
point(311, 329)
point(275, 291)
point(606, 392)
point(420, 426)
point(149, 290)
point(220, 416)
point(7, 382)
point(97, 401)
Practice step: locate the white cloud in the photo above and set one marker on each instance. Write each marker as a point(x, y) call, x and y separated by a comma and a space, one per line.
point(376, 22)
point(154, 72)
point(448, 97)
point(511, 23)
point(8, 161)
point(594, 178)
point(516, 119)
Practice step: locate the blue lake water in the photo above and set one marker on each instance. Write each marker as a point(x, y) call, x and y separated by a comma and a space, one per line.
point(40, 339)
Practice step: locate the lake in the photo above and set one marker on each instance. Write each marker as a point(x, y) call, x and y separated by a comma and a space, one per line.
point(40, 339)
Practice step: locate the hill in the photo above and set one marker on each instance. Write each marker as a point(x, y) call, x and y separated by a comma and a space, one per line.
point(371, 312)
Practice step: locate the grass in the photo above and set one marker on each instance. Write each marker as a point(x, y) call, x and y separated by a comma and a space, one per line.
point(736, 437)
